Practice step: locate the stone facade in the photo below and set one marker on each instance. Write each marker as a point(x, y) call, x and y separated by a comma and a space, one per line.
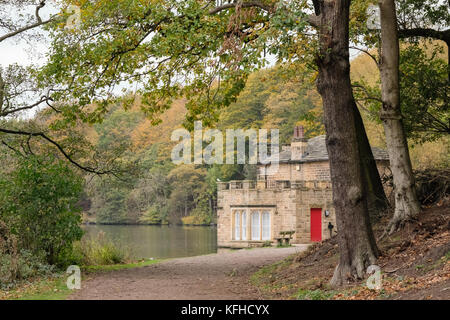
point(289, 206)
point(251, 213)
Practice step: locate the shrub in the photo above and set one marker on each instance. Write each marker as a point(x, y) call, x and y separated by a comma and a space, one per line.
point(23, 265)
point(38, 203)
point(267, 244)
point(153, 216)
point(98, 251)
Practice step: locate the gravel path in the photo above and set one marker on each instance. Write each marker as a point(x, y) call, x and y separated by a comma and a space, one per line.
point(222, 276)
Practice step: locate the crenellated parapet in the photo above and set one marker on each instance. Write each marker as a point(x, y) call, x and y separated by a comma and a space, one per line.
point(272, 185)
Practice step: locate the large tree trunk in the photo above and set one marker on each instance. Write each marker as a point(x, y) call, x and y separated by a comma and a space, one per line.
point(407, 204)
point(357, 245)
point(376, 197)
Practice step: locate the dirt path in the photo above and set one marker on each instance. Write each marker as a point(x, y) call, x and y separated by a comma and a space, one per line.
point(216, 276)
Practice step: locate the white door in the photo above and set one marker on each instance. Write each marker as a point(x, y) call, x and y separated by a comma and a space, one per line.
point(266, 225)
point(256, 226)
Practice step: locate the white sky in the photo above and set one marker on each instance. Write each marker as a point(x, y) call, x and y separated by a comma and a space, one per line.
point(26, 52)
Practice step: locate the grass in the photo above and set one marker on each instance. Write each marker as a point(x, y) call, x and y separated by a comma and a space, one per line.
point(48, 288)
point(260, 276)
point(446, 257)
point(99, 251)
point(55, 288)
point(317, 294)
point(115, 267)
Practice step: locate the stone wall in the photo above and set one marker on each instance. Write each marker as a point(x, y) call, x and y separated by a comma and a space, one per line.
point(288, 195)
point(319, 170)
point(289, 207)
point(309, 171)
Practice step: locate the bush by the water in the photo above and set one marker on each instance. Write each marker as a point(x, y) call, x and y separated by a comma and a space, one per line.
point(98, 251)
point(39, 217)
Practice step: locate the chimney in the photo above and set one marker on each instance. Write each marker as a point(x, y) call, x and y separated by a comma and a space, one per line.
point(299, 143)
point(299, 132)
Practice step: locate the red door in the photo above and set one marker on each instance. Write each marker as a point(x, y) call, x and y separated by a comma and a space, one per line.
point(316, 224)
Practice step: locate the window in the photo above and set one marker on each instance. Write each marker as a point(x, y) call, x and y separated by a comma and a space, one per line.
point(256, 226)
point(265, 225)
point(244, 225)
point(260, 225)
point(237, 225)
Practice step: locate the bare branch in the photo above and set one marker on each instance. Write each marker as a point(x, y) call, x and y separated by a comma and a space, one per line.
point(368, 96)
point(443, 35)
point(39, 7)
point(43, 99)
point(366, 52)
point(26, 28)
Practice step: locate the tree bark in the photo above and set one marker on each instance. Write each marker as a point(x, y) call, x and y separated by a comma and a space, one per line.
point(376, 197)
point(407, 204)
point(357, 245)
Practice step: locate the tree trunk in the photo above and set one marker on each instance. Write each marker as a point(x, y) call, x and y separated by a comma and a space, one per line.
point(376, 197)
point(357, 245)
point(407, 204)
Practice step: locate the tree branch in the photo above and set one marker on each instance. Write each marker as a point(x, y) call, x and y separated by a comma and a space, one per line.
point(366, 52)
point(39, 7)
point(43, 99)
point(368, 96)
point(443, 35)
point(32, 26)
point(314, 20)
point(59, 147)
point(247, 4)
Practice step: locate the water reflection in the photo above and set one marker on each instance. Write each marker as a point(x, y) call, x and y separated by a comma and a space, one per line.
point(159, 241)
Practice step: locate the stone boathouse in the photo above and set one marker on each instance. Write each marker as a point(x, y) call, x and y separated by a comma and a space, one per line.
point(297, 197)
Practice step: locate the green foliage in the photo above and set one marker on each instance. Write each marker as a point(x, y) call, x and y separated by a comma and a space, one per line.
point(22, 265)
point(112, 208)
point(201, 214)
point(267, 244)
point(154, 215)
point(314, 294)
point(183, 35)
point(424, 93)
point(157, 191)
point(272, 100)
point(38, 203)
point(98, 251)
point(188, 187)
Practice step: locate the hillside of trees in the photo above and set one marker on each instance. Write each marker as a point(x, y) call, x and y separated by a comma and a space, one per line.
point(158, 192)
point(155, 191)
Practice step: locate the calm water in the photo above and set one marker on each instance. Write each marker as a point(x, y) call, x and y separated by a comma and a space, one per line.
point(159, 241)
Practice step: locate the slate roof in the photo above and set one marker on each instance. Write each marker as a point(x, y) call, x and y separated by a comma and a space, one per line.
point(317, 151)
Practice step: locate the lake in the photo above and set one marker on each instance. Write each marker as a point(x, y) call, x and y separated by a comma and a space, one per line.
point(159, 241)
